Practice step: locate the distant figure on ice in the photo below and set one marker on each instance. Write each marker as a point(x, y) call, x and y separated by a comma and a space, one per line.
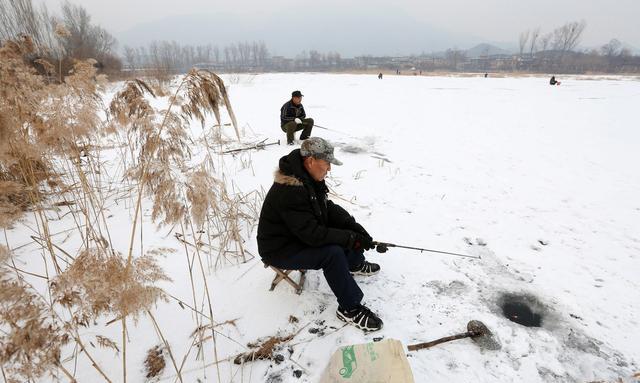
point(380, 76)
point(300, 229)
point(486, 75)
point(553, 81)
point(293, 118)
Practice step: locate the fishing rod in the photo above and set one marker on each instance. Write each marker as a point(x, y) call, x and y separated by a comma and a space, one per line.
point(260, 145)
point(331, 130)
point(382, 247)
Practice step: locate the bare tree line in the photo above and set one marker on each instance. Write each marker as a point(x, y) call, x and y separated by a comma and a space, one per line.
point(171, 57)
point(19, 17)
point(556, 51)
point(71, 35)
point(318, 60)
point(59, 38)
point(562, 39)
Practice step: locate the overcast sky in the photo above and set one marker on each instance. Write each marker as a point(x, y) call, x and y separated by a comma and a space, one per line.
point(489, 20)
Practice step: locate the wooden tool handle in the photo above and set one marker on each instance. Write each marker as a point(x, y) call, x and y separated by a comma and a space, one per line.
point(420, 346)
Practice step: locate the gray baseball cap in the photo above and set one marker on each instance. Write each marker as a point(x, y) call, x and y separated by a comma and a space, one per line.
point(319, 148)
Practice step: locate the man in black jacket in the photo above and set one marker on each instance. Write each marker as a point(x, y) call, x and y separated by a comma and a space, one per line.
point(293, 118)
point(300, 228)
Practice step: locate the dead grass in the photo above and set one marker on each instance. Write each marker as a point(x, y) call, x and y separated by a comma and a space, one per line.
point(105, 342)
point(14, 200)
point(262, 349)
point(154, 363)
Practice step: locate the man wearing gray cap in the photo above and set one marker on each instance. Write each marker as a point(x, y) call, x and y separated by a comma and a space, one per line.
point(293, 118)
point(300, 228)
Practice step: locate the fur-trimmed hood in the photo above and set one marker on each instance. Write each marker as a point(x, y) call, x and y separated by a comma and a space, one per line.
point(290, 170)
point(280, 178)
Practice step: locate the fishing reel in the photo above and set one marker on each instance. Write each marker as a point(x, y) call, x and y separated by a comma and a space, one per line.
point(382, 248)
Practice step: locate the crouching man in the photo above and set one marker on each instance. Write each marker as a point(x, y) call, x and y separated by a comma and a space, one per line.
point(300, 228)
point(293, 118)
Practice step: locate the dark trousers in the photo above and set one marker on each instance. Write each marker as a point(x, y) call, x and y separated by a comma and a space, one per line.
point(335, 263)
point(291, 127)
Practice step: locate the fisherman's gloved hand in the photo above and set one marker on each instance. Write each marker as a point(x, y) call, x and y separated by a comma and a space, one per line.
point(358, 241)
point(298, 121)
point(382, 248)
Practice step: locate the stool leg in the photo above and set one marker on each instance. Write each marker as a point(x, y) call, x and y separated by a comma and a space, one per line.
point(280, 275)
point(284, 275)
point(301, 283)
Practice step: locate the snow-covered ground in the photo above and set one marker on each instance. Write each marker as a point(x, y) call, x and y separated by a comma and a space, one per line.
point(542, 182)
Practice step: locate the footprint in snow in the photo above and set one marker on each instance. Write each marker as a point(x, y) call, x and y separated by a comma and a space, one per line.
point(479, 241)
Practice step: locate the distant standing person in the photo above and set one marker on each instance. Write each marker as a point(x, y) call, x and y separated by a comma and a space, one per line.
point(380, 76)
point(293, 118)
point(486, 75)
point(553, 81)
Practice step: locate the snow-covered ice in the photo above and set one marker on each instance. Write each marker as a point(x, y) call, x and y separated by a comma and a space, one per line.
point(542, 182)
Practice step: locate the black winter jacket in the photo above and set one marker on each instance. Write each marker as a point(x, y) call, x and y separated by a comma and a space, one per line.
point(290, 112)
point(296, 214)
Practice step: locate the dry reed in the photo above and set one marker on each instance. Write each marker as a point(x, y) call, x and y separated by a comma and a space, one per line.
point(50, 164)
point(97, 284)
point(30, 339)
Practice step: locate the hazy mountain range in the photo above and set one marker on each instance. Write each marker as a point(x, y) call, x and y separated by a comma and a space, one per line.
point(351, 33)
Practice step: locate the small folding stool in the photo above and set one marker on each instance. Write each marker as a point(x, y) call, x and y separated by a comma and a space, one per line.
point(284, 275)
